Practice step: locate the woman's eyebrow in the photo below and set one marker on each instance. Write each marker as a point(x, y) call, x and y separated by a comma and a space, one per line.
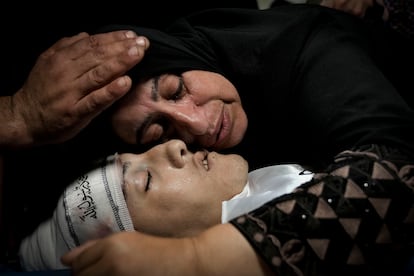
point(180, 84)
point(148, 119)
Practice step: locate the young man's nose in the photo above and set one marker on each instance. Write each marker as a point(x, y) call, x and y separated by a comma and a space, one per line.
point(176, 152)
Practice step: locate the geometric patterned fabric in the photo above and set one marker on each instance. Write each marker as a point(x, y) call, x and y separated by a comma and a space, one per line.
point(356, 216)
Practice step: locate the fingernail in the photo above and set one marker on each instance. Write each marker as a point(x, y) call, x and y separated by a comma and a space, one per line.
point(130, 34)
point(122, 82)
point(141, 41)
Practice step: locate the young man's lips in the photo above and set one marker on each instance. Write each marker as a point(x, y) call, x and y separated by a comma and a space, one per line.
point(201, 158)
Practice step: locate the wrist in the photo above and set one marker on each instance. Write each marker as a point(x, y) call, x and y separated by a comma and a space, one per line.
point(13, 130)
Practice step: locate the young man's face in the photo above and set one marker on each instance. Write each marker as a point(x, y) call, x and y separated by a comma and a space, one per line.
point(198, 107)
point(171, 191)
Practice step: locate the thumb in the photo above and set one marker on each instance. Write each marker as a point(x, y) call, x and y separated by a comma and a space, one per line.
point(70, 256)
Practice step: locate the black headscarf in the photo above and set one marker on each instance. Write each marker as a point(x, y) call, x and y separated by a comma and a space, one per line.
point(169, 54)
point(309, 77)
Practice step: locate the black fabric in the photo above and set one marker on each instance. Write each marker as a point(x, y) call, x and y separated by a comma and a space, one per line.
point(169, 54)
point(314, 74)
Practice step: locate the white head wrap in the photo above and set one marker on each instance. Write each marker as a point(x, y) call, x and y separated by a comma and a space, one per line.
point(91, 207)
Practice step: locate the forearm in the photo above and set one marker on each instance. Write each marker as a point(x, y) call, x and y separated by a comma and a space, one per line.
point(223, 250)
point(13, 133)
point(353, 217)
point(220, 250)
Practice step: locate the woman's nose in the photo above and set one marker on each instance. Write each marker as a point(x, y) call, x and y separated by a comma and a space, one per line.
point(176, 152)
point(193, 121)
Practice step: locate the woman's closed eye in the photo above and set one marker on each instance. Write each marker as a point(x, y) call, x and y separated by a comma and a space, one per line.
point(148, 183)
point(179, 93)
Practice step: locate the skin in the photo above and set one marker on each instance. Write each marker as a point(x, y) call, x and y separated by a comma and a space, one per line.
point(176, 173)
point(355, 7)
point(70, 84)
point(221, 250)
point(171, 191)
point(199, 107)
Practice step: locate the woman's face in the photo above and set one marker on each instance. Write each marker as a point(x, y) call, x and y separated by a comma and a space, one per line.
point(199, 107)
point(171, 191)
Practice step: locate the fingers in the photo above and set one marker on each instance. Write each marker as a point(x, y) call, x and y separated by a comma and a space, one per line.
point(96, 40)
point(67, 41)
point(69, 258)
point(92, 63)
point(110, 61)
point(118, 50)
point(355, 7)
point(75, 80)
point(97, 101)
point(81, 43)
point(385, 14)
point(107, 44)
point(86, 259)
point(64, 42)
